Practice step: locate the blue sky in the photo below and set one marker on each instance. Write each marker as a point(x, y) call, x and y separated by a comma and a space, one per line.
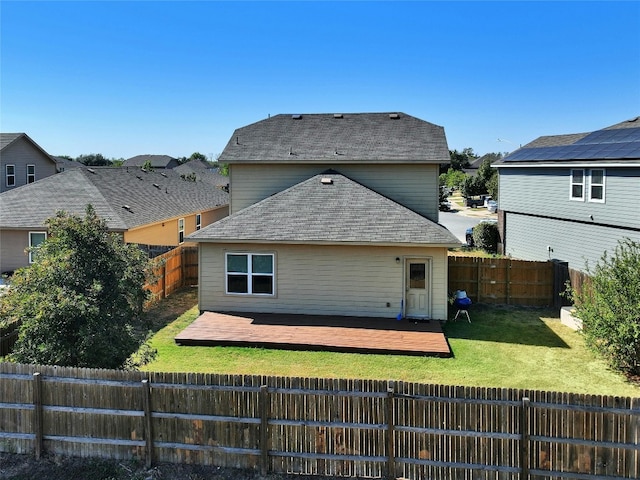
point(126, 78)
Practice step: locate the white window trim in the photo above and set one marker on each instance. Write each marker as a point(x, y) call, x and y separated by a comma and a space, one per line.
point(31, 175)
point(250, 274)
point(603, 185)
point(31, 246)
point(7, 175)
point(198, 221)
point(180, 231)
point(572, 183)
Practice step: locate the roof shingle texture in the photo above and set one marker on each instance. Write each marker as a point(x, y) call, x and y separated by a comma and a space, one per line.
point(344, 138)
point(150, 196)
point(157, 161)
point(342, 211)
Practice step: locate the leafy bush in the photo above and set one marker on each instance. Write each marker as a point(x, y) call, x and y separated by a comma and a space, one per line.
point(485, 236)
point(80, 302)
point(609, 309)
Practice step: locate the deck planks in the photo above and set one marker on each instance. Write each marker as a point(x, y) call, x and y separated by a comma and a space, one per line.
point(317, 332)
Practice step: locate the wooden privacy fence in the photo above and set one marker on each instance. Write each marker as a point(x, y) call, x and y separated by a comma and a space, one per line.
point(504, 280)
point(176, 268)
point(363, 428)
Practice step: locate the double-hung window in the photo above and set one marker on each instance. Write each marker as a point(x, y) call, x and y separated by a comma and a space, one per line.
point(596, 187)
point(10, 175)
point(250, 273)
point(181, 230)
point(31, 173)
point(577, 184)
point(35, 240)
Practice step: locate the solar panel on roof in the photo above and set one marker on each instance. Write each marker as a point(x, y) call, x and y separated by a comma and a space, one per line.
point(617, 135)
point(603, 151)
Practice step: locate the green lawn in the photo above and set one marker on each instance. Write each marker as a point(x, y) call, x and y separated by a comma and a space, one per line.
point(503, 347)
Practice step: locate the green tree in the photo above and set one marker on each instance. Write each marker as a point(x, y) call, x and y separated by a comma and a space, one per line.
point(486, 236)
point(473, 185)
point(80, 302)
point(147, 165)
point(608, 307)
point(453, 179)
point(94, 160)
point(461, 160)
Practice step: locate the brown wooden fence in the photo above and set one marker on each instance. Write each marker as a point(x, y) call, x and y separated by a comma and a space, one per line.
point(311, 426)
point(176, 269)
point(503, 280)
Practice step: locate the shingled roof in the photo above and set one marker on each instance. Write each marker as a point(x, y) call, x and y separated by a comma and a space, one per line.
point(125, 197)
point(338, 138)
point(328, 209)
point(156, 161)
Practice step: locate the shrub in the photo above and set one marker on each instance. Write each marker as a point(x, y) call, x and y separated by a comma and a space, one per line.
point(485, 236)
point(609, 310)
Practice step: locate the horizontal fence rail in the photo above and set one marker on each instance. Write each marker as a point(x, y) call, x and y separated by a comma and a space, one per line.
point(349, 428)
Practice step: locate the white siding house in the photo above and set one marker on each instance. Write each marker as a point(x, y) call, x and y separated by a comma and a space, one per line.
point(330, 215)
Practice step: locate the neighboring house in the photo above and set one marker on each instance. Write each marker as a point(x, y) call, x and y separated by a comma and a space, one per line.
point(157, 161)
point(202, 172)
point(330, 215)
point(571, 197)
point(65, 164)
point(22, 161)
point(156, 210)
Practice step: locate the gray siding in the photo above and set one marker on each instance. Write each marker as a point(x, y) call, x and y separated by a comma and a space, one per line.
point(324, 280)
point(546, 192)
point(528, 238)
point(13, 244)
point(22, 153)
point(414, 186)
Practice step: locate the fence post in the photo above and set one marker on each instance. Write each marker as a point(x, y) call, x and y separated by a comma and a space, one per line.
point(146, 402)
point(264, 425)
point(37, 414)
point(479, 279)
point(391, 455)
point(508, 286)
point(524, 439)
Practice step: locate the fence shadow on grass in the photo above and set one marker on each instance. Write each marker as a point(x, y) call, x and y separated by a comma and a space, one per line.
point(505, 324)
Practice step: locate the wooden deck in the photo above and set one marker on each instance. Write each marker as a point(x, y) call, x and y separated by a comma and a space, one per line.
point(314, 332)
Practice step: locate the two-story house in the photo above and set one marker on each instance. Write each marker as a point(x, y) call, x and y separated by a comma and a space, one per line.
point(330, 214)
point(23, 161)
point(155, 210)
point(571, 197)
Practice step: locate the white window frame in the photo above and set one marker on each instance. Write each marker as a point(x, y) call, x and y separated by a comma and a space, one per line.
point(31, 177)
point(31, 246)
point(591, 185)
point(572, 183)
point(250, 274)
point(198, 221)
point(180, 230)
point(11, 175)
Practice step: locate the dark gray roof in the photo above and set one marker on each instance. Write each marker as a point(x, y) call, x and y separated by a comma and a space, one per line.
point(614, 144)
point(7, 139)
point(150, 197)
point(338, 138)
point(157, 161)
point(314, 211)
point(202, 172)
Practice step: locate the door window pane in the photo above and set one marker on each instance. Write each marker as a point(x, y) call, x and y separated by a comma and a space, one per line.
point(417, 278)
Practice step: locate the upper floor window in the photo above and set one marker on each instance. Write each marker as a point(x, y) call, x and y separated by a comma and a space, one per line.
point(31, 173)
point(10, 175)
point(35, 240)
point(250, 273)
point(577, 184)
point(596, 187)
point(181, 230)
point(198, 221)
